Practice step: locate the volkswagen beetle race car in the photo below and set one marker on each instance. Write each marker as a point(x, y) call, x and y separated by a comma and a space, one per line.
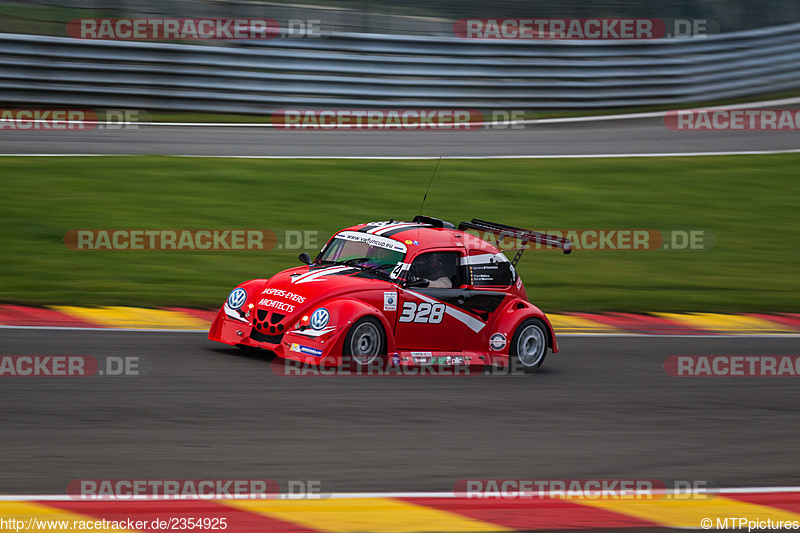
point(413, 293)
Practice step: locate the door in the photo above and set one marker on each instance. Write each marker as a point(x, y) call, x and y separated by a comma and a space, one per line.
point(433, 318)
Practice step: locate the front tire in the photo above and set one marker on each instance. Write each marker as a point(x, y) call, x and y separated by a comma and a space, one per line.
point(529, 345)
point(365, 342)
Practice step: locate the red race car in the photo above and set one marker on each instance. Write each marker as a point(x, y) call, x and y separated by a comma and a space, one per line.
point(413, 293)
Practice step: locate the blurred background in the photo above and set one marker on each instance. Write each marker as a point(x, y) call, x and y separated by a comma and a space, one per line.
point(208, 413)
point(413, 17)
point(387, 54)
point(380, 55)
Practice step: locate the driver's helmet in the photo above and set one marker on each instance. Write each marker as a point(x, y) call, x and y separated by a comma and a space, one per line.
point(429, 266)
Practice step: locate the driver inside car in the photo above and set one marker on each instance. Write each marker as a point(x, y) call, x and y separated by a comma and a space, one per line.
point(434, 268)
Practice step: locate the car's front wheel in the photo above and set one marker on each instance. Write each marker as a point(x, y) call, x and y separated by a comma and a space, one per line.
point(365, 342)
point(529, 345)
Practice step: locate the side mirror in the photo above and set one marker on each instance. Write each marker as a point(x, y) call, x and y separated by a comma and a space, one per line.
point(421, 283)
point(305, 258)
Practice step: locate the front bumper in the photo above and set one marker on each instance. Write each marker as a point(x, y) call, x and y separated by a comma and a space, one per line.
point(289, 345)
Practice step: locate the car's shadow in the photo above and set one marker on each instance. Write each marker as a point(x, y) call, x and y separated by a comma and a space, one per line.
point(244, 353)
point(257, 354)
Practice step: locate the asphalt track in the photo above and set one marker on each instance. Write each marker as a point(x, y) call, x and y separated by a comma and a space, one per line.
point(617, 137)
point(603, 408)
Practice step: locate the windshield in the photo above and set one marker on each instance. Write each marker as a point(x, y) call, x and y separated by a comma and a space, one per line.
point(374, 253)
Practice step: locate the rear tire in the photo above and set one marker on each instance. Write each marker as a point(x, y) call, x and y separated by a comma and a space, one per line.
point(365, 342)
point(529, 345)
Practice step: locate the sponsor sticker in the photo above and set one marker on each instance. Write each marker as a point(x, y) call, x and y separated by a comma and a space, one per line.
point(421, 358)
point(390, 301)
point(299, 348)
point(284, 294)
point(497, 342)
point(396, 359)
point(373, 240)
point(399, 269)
point(448, 360)
point(275, 304)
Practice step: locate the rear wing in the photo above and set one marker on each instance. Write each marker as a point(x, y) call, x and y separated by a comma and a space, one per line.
point(523, 235)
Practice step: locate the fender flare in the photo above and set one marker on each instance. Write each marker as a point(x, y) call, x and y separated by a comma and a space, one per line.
point(515, 313)
point(253, 288)
point(344, 312)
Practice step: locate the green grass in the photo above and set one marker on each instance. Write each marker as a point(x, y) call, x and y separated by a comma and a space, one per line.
point(44, 20)
point(750, 203)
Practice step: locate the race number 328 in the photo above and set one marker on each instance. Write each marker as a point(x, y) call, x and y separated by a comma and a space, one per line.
point(423, 313)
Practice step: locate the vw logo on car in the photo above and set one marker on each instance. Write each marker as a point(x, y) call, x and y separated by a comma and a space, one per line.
point(237, 298)
point(320, 318)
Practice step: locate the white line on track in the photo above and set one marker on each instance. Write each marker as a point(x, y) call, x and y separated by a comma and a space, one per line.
point(79, 328)
point(685, 336)
point(359, 495)
point(415, 158)
point(560, 335)
point(543, 156)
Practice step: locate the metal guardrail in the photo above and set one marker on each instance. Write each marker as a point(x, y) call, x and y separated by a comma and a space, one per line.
point(355, 70)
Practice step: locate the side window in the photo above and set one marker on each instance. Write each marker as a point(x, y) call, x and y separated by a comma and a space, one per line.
point(441, 269)
point(491, 270)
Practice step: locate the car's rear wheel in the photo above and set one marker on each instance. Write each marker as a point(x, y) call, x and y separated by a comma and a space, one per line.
point(529, 345)
point(365, 342)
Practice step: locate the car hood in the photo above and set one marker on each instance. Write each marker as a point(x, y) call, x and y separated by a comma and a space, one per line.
point(290, 294)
